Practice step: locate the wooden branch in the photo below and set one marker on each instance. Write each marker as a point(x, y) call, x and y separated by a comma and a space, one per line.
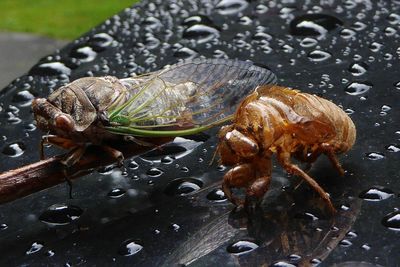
point(40, 175)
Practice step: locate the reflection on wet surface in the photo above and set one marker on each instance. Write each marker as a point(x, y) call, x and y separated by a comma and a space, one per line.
point(168, 207)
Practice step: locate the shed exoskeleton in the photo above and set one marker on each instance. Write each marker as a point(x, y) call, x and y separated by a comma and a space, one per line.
point(285, 122)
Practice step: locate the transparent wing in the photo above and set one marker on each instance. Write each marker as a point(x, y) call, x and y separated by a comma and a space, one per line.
point(186, 97)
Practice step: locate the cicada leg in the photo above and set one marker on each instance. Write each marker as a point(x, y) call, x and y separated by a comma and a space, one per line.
point(303, 155)
point(284, 160)
point(238, 177)
point(74, 155)
point(114, 153)
point(329, 151)
point(258, 187)
point(256, 190)
point(57, 141)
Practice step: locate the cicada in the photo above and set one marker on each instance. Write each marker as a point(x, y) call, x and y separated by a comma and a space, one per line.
point(285, 122)
point(181, 99)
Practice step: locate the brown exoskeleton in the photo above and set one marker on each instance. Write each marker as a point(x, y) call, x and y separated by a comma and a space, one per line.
point(289, 123)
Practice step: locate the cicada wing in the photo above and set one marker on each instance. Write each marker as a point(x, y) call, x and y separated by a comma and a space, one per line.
point(186, 97)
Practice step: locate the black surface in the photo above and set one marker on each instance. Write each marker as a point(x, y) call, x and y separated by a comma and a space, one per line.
point(351, 59)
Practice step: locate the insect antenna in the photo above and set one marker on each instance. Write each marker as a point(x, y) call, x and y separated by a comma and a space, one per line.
point(214, 155)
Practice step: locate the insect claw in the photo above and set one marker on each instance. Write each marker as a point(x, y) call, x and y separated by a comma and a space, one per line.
point(69, 182)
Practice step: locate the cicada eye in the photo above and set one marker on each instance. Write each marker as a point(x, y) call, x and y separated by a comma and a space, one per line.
point(64, 122)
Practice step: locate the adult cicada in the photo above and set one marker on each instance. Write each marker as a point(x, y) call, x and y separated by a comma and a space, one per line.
point(181, 99)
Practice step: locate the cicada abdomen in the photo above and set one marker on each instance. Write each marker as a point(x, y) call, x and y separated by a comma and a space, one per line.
point(180, 99)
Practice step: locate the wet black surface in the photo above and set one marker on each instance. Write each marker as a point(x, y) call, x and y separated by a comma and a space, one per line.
point(167, 209)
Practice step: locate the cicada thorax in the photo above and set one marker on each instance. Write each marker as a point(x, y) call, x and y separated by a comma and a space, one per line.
point(77, 110)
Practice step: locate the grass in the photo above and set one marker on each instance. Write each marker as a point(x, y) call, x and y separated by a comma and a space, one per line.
point(63, 19)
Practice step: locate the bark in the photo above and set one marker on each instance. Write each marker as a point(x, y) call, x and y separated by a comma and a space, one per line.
point(40, 175)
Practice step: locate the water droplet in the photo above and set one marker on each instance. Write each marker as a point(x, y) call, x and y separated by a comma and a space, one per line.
point(347, 34)
point(198, 19)
point(393, 148)
point(83, 53)
point(315, 262)
point(351, 234)
point(154, 172)
point(201, 33)
point(30, 127)
point(59, 214)
point(345, 243)
point(14, 149)
point(35, 247)
point(392, 220)
point(216, 195)
point(105, 170)
point(358, 88)
point(49, 69)
point(376, 193)
point(308, 42)
point(393, 18)
point(359, 26)
point(366, 247)
point(306, 216)
point(314, 24)
point(100, 41)
point(116, 193)
point(3, 226)
point(262, 37)
point(375, 47)
point(245, 20)
point(344, 207)
point(230, 7)
point(185, 53)
point(241, 247)
point(133, 165)
point(221, 168)
point(282, 264)
point(12, 118)
point(130, 247)
point(386, 108)
point(375, 156)
point(183, 186)
point(185, 169)
point(50, 253)
point(167, 160)
point(358, 69)
point(319, 55)
point(390, 31)
point(23, 98)
point(175, 227)
point(397, 85)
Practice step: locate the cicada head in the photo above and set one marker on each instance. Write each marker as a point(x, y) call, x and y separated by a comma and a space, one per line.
point(235, 146)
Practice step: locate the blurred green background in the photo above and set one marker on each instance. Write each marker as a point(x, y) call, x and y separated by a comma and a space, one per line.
point(62, 19)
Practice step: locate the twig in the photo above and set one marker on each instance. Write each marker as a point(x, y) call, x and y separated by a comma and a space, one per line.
point(40, 175)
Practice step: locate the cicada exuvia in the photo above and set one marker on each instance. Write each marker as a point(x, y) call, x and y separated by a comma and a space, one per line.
point(288, 123)
point(181, 99)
